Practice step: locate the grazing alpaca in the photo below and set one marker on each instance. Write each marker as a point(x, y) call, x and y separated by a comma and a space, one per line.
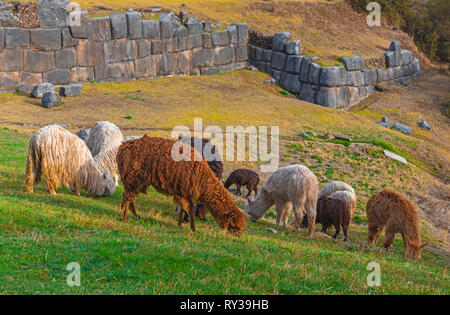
point(334, 186)
point(149, 161)
point(243, 177)
point(215, 165)
point(293, 185)
point(391, 210)
point(104, 140)
point(333, 212)
point(64, 160)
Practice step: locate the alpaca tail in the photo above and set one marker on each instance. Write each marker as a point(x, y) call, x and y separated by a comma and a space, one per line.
point(33, 170)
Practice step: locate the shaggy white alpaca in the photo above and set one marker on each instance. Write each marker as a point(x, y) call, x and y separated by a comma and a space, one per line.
point(293, 186)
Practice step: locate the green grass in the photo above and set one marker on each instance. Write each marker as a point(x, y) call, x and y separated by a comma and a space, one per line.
point(40, 234)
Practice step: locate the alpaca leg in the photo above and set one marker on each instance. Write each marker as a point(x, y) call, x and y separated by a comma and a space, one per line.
point(133, 210)
point(338, 229)
point(249, 188)
point(345, 229)
point(374, 233)
point(180, 216)
point(285, 215)
point(127, 202)
point(388, 239)
point(192, 218)
point(298, 215)
point(311, 211)
point(238, 189)
point(30, 178)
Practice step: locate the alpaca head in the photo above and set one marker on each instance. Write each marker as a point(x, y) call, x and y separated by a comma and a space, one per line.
point(109, 183)
point(236, 223)
point(249, 211)
point(414, 251)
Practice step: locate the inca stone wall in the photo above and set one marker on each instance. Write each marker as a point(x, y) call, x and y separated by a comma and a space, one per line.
point(336, 87)
point(117, 47)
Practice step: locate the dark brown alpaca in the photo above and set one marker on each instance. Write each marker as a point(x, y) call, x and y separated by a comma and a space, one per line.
point(391, 210)
point(332, 212)
point(243, 177)
point(148, 161)
point(215, 165)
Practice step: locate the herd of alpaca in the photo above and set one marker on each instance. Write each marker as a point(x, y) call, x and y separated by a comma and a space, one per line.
point(63, 159)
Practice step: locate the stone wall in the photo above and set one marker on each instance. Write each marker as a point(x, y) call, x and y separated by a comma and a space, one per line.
point(336, 87)
point(117, 47)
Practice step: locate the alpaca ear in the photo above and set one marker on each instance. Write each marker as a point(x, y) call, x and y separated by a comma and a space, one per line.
point(423, 245)
point(106, 174)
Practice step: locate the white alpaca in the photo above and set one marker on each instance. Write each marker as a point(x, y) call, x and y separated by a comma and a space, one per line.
point(104, 141)
point(64, 160)
point(293, 186)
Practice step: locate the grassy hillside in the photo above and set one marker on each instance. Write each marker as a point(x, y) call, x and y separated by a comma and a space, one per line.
point(41, 234)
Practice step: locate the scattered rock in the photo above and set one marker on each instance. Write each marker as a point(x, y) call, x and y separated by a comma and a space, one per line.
point(83, 134)
point(425, 125)
point(340, 137)
point(384, 119)
point(403, 128)
point(252, 68)
point(394, 156)
point(70, 90)
point(271, 81)
point(156, 10)
point(327, 136)
point(307, 134)
point(42, 88)
point(304, 134)
point(380, 88)
point(53, 13)
point(50, 99)
point(273, 231)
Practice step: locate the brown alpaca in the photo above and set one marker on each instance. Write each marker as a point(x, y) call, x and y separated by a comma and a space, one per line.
point(391, 210)
point(333, 212)
point(148, 161)
point(243, 177)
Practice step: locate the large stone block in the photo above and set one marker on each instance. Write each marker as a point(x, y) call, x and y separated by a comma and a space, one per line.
point(395, 46)
point(314, 74)
point(119, 28)
point(292, 47)
point(207, 40)
point(240, 52)
point(353, 63)
point(267, 55)
point(157, 47)
point(304, 69)
point(120, 50)
point(350, 78)
point(403, 128)
point(16, 37)
point(278, 60)
point(84, 29)
point(51, 99)
point(242, 32)
point(53, 13)
point(89, 53)
point(2, 39)
point(58, 76)
point(67, 39)
point(121, 70)
point(42, 88)
point(194, 27)
point(194, 41)
point(144, 48)
point(359, 78)
point(201, 57)
point(101, 72)
point(293, 63)
point(167, 29)
point(342, 96)
point(223, 55)
point(151, 29)
point(145, 67)
point(184, 65)
point(158, 59)
point(101, 29)
point(38, 61)
point(258, 53)
point(220, 38)
point(181, 31)
point(382, 75)
point(276, 74)
point(11, 60)
point(9, 80)
point(391, 60)
point(169, 62)
point(65, 58)
point(326, 96)
point(82, 74)
point(332, 76)
point(30, 79)
point(134, 25)
point(307, 93)
point(290, 82)
point(406, 57)
point(45, 39)
point(279, 41)
point(232, 34)
point(170, 45)
point(70, 90)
